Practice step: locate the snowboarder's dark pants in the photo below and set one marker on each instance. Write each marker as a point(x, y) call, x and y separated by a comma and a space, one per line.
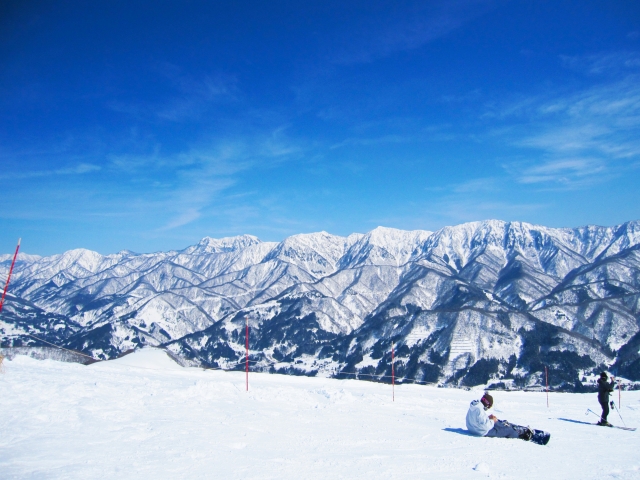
point(503, 429)
point(604, 403)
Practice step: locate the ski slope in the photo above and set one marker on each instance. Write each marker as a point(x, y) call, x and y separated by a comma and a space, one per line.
point(143, 416)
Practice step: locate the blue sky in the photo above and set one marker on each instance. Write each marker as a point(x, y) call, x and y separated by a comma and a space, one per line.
point(148, 125)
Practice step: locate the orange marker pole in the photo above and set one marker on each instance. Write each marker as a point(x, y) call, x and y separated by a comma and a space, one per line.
point(6, 285)
point(393, 376)
point(246, 368)
point(546, 381)
point(619, 395)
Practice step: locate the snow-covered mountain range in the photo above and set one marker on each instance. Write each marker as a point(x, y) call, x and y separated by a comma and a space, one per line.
point(476, 303)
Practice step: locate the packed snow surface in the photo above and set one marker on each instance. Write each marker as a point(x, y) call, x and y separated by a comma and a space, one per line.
point(153, 358)
point(142, 416)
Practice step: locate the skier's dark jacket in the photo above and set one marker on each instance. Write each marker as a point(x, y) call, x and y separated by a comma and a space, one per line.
point(604, 388)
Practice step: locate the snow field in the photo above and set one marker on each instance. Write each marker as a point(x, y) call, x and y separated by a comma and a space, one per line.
point(143, 416)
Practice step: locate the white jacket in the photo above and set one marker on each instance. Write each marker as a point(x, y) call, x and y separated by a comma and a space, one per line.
point(478, 422)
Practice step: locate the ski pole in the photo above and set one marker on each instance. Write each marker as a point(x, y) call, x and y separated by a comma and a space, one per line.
point(589, 410)
point(613, 404)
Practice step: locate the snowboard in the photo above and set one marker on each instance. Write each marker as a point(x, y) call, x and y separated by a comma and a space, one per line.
point(537, 436)
point(540, 437)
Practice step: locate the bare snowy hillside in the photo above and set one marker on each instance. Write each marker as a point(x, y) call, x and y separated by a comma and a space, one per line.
point(142, 416)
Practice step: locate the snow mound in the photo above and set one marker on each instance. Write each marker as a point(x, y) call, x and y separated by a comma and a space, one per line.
point(154, 358)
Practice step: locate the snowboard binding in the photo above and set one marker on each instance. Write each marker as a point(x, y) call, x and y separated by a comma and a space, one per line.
point(526, 434)
point(529, 434)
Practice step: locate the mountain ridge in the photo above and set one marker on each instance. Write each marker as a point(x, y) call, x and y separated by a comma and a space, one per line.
point(497, 289)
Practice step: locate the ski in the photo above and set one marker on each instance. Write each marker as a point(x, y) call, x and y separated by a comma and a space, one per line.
point(630, 429)
point(615, 426)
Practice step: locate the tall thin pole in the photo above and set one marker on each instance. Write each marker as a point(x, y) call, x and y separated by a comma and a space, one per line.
point(246, 368)
point(6, 285)
point(546, 381)
point(619, 389)
point(393, 375)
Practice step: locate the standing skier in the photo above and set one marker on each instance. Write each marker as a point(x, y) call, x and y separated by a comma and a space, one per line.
point(604, 389)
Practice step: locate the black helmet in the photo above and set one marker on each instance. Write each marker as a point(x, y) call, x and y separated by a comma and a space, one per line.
point(603, 375)
point(487, 400)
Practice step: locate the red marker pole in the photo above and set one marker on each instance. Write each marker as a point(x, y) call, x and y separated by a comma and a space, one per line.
point(619, 389)
point(393, 376)
point(6, 285)
point(546, 381)
point(246, 336)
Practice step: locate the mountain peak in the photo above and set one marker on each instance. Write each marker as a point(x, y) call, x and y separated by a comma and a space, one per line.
point(220, 245)
point(387, 234)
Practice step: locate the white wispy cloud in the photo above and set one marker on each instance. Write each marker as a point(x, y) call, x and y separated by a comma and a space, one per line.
point(158, 190)
point(580, 138)
point(422, 23)
point(598, 64)
point(203, 174)
point(471, 186)
point(574, 172)
point(184, 218)
point(188, 97)
point(383, 139)
point(78, 169)
point(489, 184)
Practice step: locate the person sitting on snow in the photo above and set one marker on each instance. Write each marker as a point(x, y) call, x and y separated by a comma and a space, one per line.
point(604, 389)
point(483, 425)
